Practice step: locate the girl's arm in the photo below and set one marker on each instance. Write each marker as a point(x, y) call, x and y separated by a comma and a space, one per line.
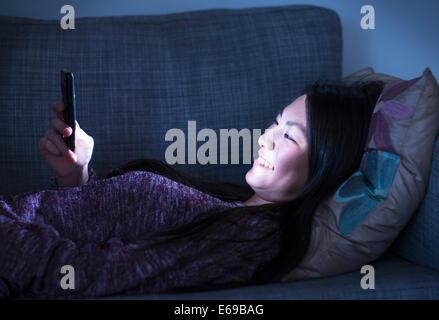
point(92, 176)
point(32, 257)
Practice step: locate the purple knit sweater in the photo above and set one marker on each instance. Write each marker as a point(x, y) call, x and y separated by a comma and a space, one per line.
point(99, 229)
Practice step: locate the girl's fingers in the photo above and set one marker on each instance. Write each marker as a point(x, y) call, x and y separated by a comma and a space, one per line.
point(52, 148)
point(58, 108)
point(57, 141)
point(61, 127)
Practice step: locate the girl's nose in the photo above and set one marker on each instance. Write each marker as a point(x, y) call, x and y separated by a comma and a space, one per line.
point(266, 140)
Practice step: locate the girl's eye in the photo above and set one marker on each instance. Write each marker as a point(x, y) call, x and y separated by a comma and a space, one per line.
point(285, 134)
point(288, 137)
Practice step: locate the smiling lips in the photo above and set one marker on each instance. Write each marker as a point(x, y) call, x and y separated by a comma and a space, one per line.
point(264, 163)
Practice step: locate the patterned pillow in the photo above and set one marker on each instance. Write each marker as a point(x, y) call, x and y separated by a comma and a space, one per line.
point(360, 221)
point(418, 242)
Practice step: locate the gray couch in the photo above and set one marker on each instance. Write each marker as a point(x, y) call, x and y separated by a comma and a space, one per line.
point(139, 76)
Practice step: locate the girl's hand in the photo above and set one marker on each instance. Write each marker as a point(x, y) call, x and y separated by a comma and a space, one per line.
point(68, 165)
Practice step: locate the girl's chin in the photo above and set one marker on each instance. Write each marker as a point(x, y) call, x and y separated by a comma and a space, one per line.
point(256, 175)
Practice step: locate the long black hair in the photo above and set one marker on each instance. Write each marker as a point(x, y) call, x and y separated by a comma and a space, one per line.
point(338, 118)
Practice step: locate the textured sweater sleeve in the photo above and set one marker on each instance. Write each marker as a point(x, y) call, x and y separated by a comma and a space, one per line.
point(104, 230)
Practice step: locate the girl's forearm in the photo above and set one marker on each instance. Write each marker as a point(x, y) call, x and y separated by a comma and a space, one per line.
point(75, 180)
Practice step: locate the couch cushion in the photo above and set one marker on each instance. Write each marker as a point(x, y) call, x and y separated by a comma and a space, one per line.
point(395, 278)
point(138, 77)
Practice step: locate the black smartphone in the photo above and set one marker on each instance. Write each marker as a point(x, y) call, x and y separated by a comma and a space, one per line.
point(68, 98)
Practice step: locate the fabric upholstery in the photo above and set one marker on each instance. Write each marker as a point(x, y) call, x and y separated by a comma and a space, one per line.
point(138, 77)
point(395, 278)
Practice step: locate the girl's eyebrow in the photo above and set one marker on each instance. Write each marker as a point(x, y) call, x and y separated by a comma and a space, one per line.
point(295, 124)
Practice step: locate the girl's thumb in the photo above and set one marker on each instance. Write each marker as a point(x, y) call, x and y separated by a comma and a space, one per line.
point(72, 156)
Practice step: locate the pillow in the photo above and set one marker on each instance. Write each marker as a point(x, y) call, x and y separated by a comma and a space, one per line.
point(419, 241)
point(359, 222)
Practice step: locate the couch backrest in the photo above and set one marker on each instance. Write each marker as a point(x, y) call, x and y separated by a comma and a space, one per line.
point(138, 77)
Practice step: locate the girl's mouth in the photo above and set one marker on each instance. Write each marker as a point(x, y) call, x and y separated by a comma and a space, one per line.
point(262, 163)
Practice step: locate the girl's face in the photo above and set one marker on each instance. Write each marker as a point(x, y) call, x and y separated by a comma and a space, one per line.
point(284, 145)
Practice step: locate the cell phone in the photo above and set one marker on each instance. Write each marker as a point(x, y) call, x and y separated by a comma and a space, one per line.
point(69, 100)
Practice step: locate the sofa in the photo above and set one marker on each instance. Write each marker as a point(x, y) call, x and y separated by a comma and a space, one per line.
point(137, 77)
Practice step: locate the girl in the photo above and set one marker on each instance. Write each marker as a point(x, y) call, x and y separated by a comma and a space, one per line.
point(148, 228)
